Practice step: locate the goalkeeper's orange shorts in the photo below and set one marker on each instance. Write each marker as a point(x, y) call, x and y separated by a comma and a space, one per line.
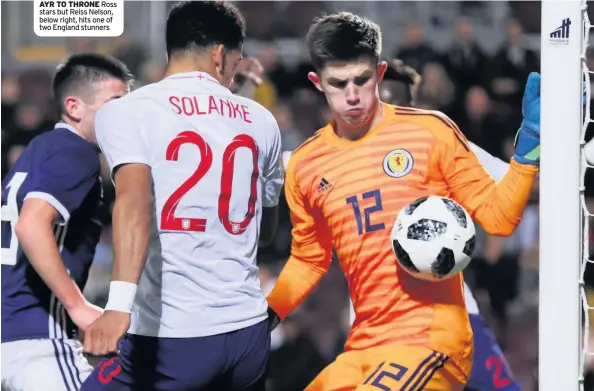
point(391, 368)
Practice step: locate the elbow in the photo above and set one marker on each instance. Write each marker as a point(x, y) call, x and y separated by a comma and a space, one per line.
point(29, 230)
point(20, 229)
point(498, 222)
point(24, 228)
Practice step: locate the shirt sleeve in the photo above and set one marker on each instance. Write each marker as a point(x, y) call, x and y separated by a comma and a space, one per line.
point(274, 173)
point(64, 178)
point(286, 156)
point(471, 304)
point(497, 207)
point(494, 166)
point(118, 129)
point(311, 250)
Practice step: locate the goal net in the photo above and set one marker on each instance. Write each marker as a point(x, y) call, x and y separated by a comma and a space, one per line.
point(587, 351)
point(564, 323)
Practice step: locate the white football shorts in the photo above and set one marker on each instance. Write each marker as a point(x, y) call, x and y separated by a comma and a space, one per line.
point(43, 365)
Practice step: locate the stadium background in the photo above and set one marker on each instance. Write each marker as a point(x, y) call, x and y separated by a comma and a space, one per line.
point(474, 58)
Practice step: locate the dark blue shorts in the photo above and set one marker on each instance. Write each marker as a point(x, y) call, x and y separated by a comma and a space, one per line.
point(490, 371)
point(235, 361)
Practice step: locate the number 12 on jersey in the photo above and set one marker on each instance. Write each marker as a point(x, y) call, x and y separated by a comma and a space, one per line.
point(169, 222)
point(376, 207)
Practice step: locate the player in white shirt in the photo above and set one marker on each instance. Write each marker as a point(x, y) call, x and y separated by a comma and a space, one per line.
point(198, 173)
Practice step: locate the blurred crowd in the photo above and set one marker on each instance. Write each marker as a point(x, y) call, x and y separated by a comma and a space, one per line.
point(481, 92)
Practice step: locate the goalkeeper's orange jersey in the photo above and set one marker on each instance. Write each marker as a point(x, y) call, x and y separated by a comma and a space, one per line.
point(346, 194)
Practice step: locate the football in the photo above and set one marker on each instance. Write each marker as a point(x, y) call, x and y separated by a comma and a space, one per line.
point(433, 238)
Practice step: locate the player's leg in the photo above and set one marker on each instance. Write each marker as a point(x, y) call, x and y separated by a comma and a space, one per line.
point(345, 373)
point(160, 364)
point(246, 355)
point(490, 371)
point(409, 368)
point(113, 373)
point(43, 364)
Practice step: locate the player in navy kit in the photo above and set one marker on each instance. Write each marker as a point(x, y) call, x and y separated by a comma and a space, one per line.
point(490, 371)
point(50, 227)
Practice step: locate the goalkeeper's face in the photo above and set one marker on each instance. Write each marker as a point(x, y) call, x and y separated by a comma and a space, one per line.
point(351, 89)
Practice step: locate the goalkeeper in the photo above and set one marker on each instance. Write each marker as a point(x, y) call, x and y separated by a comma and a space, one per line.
point(345, 185)
point(490, 370)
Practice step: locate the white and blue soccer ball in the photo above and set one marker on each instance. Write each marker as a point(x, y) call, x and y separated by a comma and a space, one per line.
point(433, 238)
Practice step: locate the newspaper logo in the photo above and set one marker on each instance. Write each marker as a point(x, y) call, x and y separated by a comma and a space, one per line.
point(560, 36)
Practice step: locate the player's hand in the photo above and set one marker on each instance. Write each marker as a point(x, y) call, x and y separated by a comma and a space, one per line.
point(248, 69)
point(84, 314)
point(102, 337)
point(273, 319)
point(528, 137)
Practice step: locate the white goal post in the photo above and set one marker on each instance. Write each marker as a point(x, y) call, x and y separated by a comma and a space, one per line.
point(562, 45)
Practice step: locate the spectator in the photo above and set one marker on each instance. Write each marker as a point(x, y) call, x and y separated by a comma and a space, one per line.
point(29, 122)
point(479, 124)
point(413, 50)
point(291, 138)
point(130, 52)
point(511, 66)
point(275, 71)
point(14, 153)
point(464, 61)
point(436, 91)
point(77, 45)
point(305, 107)
point(151, 72)
point(10, 98)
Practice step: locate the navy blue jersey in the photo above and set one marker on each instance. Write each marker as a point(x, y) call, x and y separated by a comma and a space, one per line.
point(63, 169)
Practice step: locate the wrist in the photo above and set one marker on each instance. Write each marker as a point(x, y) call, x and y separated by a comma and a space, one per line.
point(121, 296)
point(531, 126)
point(73, 301)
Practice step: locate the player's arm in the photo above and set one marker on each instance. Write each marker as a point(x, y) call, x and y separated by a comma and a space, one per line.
point(119, 133)
point(497, 207)
point(274, 176)
point(311, 250)
point(64, 180)
point(35, 233)
point(118, 128)
point(132, 213)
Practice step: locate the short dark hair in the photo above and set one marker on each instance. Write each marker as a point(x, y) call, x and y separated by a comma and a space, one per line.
point(197, 25)
point(76, 76)
point(343, 37)
point(408, 76)
point(401, 72)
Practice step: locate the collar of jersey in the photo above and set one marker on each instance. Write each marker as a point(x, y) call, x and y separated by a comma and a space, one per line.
point(200, 76)
point(64, 125)
point(330, 136)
